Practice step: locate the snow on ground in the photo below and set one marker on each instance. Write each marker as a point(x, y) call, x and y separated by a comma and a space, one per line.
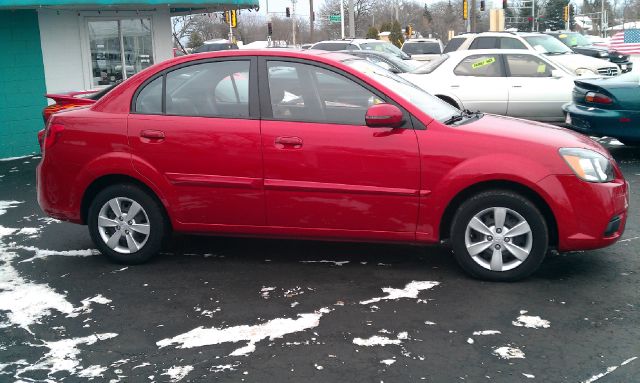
point(411, 290)
point(378, 340)
point(273, 329)
point(508, 352)
point(177, 373)
point(486, 332)
point(530, 321)
point(5, 205)
point(336, 263)
point(608, 371)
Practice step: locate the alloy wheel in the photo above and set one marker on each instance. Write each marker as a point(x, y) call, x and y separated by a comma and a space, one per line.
point(123, 225)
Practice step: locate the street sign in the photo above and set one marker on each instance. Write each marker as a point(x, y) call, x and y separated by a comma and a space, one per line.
point(334, 18)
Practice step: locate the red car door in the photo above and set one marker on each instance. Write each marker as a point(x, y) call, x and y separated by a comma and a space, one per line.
point(203, 138)
point(324, 169)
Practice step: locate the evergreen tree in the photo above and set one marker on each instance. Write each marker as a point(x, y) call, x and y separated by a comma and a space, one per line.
point(554, 15)
point(396, 37)
point(385, 27)
point(372, 33)
point(427, 14)
point(195, 40)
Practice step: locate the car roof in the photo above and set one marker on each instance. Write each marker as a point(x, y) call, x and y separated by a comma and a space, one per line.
point(471, 52)
point(497, 34)
point(357, 41)
point(421, 41)
point(314, 54)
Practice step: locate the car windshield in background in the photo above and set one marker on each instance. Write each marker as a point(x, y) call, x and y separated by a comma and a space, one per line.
point(385, 47)
point(331, 46)
point(429, 104)
point(548, 45)
point(574, 39)
point(431, 65)
point(421, 48)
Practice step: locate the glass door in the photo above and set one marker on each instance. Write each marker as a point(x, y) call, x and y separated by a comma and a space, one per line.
point(119, 49)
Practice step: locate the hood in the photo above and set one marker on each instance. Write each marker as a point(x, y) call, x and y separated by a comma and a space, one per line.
point(591, 50)
point(531, 132)
point(575, 61)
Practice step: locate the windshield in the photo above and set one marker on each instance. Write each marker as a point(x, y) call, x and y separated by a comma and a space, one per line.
point(431, 65)
point(547, 44)
point(574, 39)
point(422, 48)
point(429, 104)
point(382, 46)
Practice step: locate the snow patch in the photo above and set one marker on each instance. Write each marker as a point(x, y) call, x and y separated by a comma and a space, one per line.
point(388, 362)
point(530, 321)
point(177, 373)
point(86, 305)
point(336, 263)
point(14, 158)
point(223, 368)
point(411, 290)
point(528, 376)
point(5, 205)
point(43, 253)
point(92, 372)
point(608, 371)
point(470, 340)
point(508, 352)
point(486, 332)
point(273, 329)
point(378, 340)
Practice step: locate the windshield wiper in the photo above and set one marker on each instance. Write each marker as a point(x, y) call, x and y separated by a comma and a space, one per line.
point(463, 115)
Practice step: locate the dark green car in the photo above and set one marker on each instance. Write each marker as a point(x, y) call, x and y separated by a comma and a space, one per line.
point(607, 107)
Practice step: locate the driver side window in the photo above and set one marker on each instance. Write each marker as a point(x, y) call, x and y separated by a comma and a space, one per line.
point(528, 66)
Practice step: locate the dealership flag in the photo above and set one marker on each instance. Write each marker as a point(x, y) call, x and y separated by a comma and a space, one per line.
point(627, 42)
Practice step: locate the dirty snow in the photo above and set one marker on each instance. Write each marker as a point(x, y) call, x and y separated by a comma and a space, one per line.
point(378, 340)
point(177, 373)
point(411, 290)
point(86, 305)
point(508, 352)
point(43, 253)
point(4, 205)
point(530, 321)
point(92, 372)
point(273, 329)
point(487, 332)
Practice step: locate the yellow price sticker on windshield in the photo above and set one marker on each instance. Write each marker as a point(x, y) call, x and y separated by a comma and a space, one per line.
point(542, 68)
point(562, 36)
point(482, 63)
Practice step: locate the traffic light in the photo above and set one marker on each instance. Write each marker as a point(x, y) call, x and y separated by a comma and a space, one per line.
point(230, 17)
point(482, 5)
point(465, 10)
point(566, 13)
point(288, 12)
point(269, 29)
point(504, 4)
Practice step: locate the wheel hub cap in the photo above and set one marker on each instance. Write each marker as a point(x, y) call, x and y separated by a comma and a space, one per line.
point(123, 225)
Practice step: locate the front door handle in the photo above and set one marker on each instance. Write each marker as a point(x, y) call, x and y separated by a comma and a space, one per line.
point(152, 134)
point(288, 142)
point(516, 86)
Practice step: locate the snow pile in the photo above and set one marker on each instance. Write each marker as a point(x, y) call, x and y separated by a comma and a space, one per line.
point(5, 205)
point(273, 329)
point(530, 321)
point(411, 290)
point(508, 352)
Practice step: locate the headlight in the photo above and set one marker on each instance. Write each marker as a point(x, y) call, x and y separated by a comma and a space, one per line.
point(603, 54)
point(585, 71)
point(588, 165)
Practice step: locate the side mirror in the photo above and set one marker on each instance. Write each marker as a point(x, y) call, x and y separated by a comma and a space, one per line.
point(557, 73)
point(383, 116)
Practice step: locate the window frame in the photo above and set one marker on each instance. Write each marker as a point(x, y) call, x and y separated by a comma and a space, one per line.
point(254, 99)
point(266, 110)
point(500, 59)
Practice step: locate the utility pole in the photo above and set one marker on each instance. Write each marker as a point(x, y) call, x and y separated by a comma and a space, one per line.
point(312, 18)
point(352, 22)
point(293, 21)
point(342, 18)
point(602, 19)
point(473, 16)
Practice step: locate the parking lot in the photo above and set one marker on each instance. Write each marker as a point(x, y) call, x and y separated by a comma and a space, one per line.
point(230, 309)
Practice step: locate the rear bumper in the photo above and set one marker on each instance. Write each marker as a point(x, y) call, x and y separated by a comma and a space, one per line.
point(604, 122)
point(50, 195)
point(589, 215)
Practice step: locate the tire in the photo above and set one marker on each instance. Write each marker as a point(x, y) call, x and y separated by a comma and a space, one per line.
point(473, 230)
point(140, 237)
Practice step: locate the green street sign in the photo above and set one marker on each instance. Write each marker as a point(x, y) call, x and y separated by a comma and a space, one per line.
point(334, 18)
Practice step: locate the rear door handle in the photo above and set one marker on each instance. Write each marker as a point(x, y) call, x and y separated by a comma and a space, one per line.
point(455, 86)
point(517, 86)
point(282, 142)
point(152, 134)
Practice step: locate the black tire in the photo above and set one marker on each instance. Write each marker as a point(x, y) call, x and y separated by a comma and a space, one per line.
point(152, 214)
point(538, 239)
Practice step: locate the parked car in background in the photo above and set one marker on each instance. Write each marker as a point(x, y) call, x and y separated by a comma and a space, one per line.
point(215, 45)
point(607, 107)
point(186, 146)
point(555, 50)
point(177, 52)
point(386, 60)
point(423, 49)
point(512, 82)
point(361, 44)
point(580, 44)
point(305, 46)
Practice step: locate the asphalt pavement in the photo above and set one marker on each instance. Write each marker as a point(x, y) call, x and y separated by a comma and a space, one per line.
point(258, 310)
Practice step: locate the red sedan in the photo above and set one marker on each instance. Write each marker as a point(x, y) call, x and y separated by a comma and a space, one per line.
point(305, 144)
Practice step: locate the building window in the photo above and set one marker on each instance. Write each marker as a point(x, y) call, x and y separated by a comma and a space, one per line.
point(119, 49)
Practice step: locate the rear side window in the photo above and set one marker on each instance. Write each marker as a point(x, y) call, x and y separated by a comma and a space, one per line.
point(480, 66)
point(454, 44)
point(528, 66)
point(484, 43)
point(149, 100)
point(511, 43)
point(332, 46)
point(422, 48)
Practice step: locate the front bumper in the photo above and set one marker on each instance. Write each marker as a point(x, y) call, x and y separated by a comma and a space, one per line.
point(588, 215)
point(623, 124)
point(625, 66)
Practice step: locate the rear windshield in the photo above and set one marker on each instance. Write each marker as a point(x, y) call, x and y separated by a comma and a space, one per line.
point(215, 47)
point(454, 44)
point(431, 65)
point(422, 48)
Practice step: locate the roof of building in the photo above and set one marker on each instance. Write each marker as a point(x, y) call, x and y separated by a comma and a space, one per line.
point(177, 4)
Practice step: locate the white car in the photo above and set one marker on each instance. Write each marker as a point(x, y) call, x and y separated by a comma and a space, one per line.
point(360, 44)
point(551, 47)
point(510, 82)
point(423, 49)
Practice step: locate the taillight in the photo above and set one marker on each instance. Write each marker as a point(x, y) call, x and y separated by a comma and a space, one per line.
point(50, 135)
point(51, 109)
point(597, 98)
